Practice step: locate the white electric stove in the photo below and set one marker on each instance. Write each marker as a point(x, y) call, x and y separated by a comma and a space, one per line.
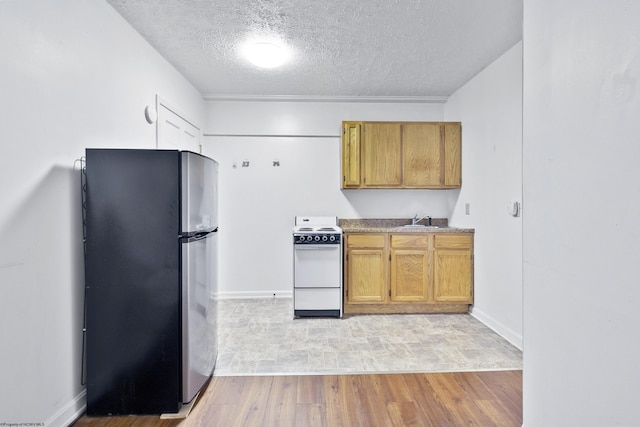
point(317, 267)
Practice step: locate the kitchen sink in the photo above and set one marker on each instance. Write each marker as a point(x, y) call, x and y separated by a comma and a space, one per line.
point(420, 226)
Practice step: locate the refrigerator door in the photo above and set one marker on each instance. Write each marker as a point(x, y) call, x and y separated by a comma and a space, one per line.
point(199, 194)
point(199, 312)
point(132, 271)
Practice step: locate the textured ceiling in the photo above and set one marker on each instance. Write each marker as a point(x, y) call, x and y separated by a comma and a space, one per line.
point(349, 48)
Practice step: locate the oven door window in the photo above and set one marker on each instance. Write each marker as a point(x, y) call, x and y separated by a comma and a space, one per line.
point(317, 266)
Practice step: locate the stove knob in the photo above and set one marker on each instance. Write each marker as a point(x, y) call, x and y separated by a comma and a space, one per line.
point(317, 238)
point(332, 238)
point(324, 238)
point(308, 238)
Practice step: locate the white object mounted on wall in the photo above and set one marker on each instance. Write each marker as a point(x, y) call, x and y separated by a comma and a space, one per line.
point(150, 114)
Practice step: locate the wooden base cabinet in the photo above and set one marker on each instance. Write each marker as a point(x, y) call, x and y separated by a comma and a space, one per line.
point(367, 270)
point(410, 267)
point(408, 273)
point(452, 264)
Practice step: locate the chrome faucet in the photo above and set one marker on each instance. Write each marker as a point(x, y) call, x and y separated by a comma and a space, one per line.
point(415, 220)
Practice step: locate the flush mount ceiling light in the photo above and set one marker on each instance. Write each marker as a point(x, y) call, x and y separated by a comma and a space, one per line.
point(266, 54)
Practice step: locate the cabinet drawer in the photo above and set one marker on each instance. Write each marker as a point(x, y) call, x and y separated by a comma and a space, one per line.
point(410, 240)
point(365, 240)
point(317, 299)
point(453, 241)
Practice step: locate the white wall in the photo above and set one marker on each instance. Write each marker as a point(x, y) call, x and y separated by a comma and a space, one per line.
point(582, 205)
point(258, 204)
point(73, 74)
point(490, 109)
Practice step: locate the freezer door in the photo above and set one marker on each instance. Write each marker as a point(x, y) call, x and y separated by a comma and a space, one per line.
point(199, 312)
point(199, 193)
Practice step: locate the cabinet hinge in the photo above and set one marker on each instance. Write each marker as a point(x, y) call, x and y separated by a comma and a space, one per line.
point(347, 257)
point(344, 178)
point(389, 257)
point(344, 131)
point(389, 292)
point(347, 291)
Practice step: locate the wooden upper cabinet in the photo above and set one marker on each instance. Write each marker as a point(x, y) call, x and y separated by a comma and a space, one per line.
point(382, 155)
point(401, 155)
point(351, 135)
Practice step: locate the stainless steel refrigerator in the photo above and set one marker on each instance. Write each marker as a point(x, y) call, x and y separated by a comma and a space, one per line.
point(150, 273)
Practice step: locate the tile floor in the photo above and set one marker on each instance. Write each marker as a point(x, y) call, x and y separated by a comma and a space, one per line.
point(261, 337)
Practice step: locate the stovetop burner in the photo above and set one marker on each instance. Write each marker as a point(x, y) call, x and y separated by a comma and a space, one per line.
point(317, 230)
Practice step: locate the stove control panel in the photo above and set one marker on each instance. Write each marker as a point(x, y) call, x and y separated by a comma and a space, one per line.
point(317, 239)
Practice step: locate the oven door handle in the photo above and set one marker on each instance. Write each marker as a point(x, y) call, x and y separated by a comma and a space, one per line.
point(327, 246)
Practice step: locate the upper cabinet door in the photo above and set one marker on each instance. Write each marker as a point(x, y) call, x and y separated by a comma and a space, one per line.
point(382, 154)
point(452, 155)
point(351, 132)
point(421, 155)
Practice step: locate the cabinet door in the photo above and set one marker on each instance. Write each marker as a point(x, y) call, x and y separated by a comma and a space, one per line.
point(409, 275)
point(452, 155)
point(453, 267)
point(382, 155)
point(421, 155)
point(366, 276)
point(351, 154)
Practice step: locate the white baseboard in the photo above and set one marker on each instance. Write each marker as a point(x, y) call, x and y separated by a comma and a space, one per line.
point(69, 412)
point(254, 294)
point(505, 332)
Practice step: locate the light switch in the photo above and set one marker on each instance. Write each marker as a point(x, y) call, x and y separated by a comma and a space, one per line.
point(467, 208)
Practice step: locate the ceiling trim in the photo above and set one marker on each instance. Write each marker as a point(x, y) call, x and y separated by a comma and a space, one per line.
point(305, 98)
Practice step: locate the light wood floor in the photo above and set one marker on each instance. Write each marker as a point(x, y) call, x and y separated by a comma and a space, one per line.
point(436, 399)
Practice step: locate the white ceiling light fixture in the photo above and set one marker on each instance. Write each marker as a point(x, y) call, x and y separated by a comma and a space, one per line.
point(266, 54)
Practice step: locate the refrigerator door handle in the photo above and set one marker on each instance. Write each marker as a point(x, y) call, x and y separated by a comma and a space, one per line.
point(200, 236)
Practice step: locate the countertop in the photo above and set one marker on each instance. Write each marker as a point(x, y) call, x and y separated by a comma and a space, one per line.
point(395, 225)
